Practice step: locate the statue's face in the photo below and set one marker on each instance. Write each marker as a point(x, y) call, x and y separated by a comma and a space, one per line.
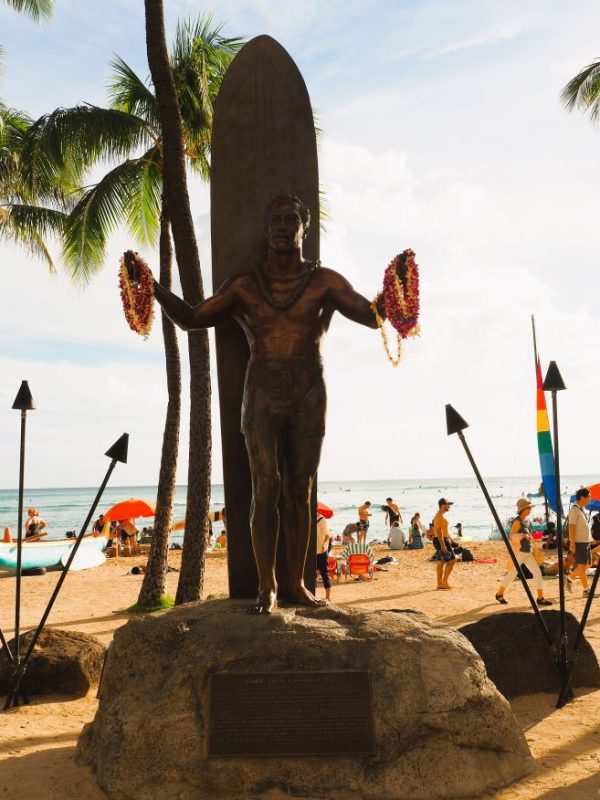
point(285, 228)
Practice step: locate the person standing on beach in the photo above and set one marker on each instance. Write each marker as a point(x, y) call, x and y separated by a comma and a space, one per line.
point(323, 539)
point(443, 545)
point(521, 542)
point(579, 537)
point(392, 512)
point(363, 520)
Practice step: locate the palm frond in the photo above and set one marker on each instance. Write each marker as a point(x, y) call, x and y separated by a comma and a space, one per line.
point(200, 58)
point(36, 9)
point(144, 204)
point(62, 145)
point(130, 94)
point(583, 91)
point(30, 226)
point(97, 214)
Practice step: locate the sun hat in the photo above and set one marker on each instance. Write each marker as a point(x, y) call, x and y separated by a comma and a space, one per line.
point(522, 504)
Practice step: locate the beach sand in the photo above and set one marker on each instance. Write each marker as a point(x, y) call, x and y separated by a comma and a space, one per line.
point(38, 742)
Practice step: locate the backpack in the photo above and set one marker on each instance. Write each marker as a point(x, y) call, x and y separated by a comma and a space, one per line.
point(466, 555)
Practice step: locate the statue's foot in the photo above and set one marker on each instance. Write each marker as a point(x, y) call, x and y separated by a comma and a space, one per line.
point(300, 596)
point(265, 602)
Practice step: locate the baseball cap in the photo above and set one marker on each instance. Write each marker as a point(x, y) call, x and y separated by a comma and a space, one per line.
point(443, 502)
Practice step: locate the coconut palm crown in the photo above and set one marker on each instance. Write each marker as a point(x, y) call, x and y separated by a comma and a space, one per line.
point(126, 136)
point(583, 91)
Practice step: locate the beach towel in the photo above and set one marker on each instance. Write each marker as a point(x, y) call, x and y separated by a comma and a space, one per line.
point(485, 561)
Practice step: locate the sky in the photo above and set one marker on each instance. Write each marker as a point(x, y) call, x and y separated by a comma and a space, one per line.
point(443, 131)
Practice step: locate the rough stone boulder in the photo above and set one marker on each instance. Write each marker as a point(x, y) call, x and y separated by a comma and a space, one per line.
point(516, 655)
point(63, 662)
point(441, 728)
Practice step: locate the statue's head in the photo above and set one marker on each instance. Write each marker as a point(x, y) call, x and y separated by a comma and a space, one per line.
point(287, 222)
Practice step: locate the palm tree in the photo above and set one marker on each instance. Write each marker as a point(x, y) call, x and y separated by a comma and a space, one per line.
point(29, 217)
point(188, 260)
point(135, 191)
point(583, 91)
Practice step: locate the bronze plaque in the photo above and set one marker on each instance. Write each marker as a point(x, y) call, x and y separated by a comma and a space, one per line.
point(290, 713)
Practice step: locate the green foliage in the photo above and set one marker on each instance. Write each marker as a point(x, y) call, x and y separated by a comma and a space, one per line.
point(23, 218)
point(60, 148)
point(583, 91)
point(166, 601)
point(36, 9)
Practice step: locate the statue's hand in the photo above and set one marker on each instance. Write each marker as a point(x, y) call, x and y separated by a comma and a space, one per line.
point(131, 264)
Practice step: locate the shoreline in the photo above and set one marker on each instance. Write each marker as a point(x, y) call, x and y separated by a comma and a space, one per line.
point(38, 744)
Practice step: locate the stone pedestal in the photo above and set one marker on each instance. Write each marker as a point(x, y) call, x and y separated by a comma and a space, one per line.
point(440, 727)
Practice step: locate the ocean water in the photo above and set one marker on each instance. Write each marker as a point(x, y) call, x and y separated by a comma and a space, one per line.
point(65, 509)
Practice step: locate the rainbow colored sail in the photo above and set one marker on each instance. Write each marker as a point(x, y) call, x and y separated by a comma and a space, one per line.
point(545, 440)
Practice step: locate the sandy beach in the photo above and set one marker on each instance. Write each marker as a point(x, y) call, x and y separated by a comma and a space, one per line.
point(38, 742)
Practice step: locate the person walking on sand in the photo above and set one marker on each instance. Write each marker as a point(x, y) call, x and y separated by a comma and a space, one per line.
point(323, 539)
point(579, 537)
point(522, 546)
point(443, 545)
point(363, 520)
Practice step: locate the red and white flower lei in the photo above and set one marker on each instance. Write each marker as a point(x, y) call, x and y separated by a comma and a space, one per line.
point(137, 295)
point(401, 302)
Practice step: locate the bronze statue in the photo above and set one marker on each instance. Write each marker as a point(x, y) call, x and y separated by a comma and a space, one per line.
point(284, 307)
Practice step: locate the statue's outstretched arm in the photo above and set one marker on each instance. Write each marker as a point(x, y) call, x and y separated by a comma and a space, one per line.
point(352, 304)
point(212, 311)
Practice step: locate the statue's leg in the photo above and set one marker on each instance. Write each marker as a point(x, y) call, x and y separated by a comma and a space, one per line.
point(300, 463)
point(264, 513)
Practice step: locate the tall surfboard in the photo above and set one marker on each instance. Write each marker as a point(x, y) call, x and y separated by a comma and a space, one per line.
point(263, 145)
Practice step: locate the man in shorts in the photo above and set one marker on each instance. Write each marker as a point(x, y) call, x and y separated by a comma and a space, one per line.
point(363, 521)
point(579, 537)
point(443, 545)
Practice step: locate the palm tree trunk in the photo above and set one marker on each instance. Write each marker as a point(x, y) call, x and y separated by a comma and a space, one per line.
point(154, 583)
point(188, 260)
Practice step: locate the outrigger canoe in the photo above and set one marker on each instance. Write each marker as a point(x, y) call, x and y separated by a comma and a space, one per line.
point(52, 552)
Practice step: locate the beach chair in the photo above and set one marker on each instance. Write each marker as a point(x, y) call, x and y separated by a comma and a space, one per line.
point(333, 569)
point(359, 564)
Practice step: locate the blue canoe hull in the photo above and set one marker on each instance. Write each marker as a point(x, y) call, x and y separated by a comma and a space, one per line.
point(46, 553)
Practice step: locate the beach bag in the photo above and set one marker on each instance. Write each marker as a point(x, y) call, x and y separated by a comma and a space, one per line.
point(385, 560)
point(466, 555)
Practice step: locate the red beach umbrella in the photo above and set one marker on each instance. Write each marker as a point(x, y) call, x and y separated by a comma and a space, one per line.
point(130, 509)
point(594, 490)
point(324, 510)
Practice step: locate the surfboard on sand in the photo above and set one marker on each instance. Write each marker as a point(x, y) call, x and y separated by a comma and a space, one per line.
point(263, 145)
